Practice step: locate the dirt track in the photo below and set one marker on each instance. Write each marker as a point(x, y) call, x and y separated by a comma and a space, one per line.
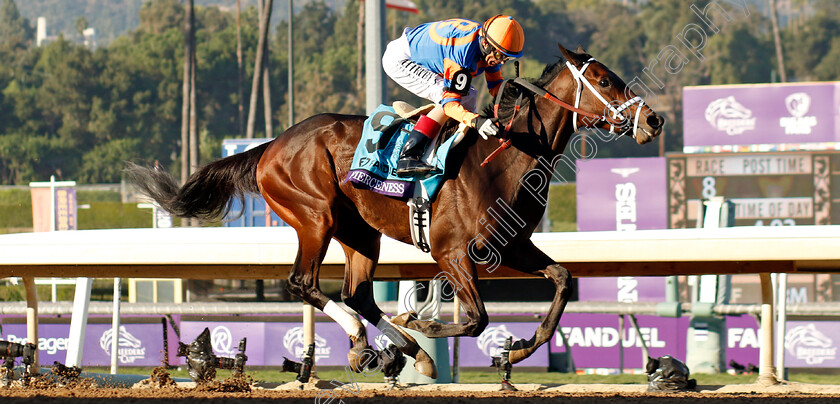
point(375, 393)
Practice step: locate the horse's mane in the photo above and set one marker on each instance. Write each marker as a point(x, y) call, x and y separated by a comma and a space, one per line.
point(510, 92)
point(509, 98)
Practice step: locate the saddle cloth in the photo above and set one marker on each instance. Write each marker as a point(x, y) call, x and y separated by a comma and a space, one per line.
point(374, 164)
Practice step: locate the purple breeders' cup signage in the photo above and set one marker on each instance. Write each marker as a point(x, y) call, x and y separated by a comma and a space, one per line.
point(225, 337)
point(477, 352)
point(622, 289)
point(622, 194)
point(760, 114)
point(65, 209)
point(331, 344)
point(594, 339)
point(139, 344)
point(812, 344)
point(480, 350)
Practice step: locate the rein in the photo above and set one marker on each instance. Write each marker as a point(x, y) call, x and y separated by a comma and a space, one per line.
point(615, 121)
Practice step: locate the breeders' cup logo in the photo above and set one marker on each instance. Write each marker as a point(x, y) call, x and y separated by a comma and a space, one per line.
point(222, 341)
point(492, 340)
point(625, 172)
point(728, 115)
point(807, 343)
point(129, 349)
point(293, 341)
point(798, 105)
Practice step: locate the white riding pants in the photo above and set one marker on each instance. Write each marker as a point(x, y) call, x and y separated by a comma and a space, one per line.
point(421, 81)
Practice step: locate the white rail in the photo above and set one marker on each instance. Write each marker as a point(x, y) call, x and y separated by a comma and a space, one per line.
point(493, 308)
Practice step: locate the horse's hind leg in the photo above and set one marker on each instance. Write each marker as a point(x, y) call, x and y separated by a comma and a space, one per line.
point(362, 251)
point(314, 234)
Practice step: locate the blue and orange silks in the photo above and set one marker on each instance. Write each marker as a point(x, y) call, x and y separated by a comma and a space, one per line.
point(446, 47)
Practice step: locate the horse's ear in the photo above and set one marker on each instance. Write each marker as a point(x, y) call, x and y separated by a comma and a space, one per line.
point(569, 55)
point(580, 49)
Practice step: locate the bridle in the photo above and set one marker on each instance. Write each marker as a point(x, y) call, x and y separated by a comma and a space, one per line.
point(616, 120)
point(616, 111)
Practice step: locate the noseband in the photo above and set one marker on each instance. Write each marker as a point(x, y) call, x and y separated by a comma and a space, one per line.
point(616, 111)
point(615, 121)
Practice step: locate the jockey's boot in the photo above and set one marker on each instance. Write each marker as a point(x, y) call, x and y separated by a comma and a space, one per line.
point(410, 162)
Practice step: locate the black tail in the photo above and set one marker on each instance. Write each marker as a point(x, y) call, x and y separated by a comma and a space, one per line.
point(207, 193)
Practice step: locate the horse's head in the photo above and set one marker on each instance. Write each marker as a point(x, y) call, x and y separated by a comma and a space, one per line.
point(602, 92)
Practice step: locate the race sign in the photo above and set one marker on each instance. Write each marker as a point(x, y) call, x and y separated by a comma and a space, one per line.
point(767, 189)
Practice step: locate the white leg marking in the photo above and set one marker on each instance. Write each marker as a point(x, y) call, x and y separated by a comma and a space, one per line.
point(351, 325)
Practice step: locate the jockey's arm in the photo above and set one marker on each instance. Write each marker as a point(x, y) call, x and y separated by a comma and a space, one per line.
point(493, 75)
point(452, 107)
point(451, 100)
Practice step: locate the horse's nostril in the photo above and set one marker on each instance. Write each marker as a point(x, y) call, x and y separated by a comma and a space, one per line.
point(655, 121)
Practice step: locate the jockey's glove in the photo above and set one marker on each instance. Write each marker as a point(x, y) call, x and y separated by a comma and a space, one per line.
point(485, 126)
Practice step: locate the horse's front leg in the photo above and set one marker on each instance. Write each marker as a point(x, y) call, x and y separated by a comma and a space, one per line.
point(530, 259)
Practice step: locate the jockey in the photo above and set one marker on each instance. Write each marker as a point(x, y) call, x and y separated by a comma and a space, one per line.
point(437, 61)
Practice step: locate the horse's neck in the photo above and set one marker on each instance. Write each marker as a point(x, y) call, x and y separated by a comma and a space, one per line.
point(527, 167)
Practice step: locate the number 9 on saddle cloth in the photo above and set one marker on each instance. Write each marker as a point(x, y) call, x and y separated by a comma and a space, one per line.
point(375, 160)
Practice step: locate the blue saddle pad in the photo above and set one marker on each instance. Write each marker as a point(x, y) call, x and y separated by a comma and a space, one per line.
point(375, 160)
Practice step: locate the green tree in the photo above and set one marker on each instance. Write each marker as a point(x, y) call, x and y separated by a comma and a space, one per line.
point(81, 25)
point(806, 47)
point(15, 30)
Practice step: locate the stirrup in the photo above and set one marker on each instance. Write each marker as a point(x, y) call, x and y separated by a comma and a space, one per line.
point(408, 167)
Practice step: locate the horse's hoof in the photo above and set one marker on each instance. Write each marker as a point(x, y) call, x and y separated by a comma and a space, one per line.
point(402, 320)
point(361, 360)
point(424, 365)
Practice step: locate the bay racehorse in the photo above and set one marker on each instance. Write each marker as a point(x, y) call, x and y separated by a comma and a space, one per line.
point(483, 216)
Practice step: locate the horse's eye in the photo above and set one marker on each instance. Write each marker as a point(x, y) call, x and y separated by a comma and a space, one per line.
point(604, 83)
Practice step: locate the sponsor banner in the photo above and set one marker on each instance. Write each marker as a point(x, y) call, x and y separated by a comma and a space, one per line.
point(65, 209)
point(812, 344)
point(477, 352)
point(742, 339)
point(331, 343)
point(596, 341)
point(622, 289)
point(622, 194)
point(764, 114)
point(225, 337)
point(139, 344)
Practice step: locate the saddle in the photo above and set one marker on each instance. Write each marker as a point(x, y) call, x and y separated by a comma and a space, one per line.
point(407, 111)
point(374, 163)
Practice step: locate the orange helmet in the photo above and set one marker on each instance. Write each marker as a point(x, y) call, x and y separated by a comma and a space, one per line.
point(505, 34)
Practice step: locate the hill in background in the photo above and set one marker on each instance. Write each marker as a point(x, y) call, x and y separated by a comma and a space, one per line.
point(112, 18)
